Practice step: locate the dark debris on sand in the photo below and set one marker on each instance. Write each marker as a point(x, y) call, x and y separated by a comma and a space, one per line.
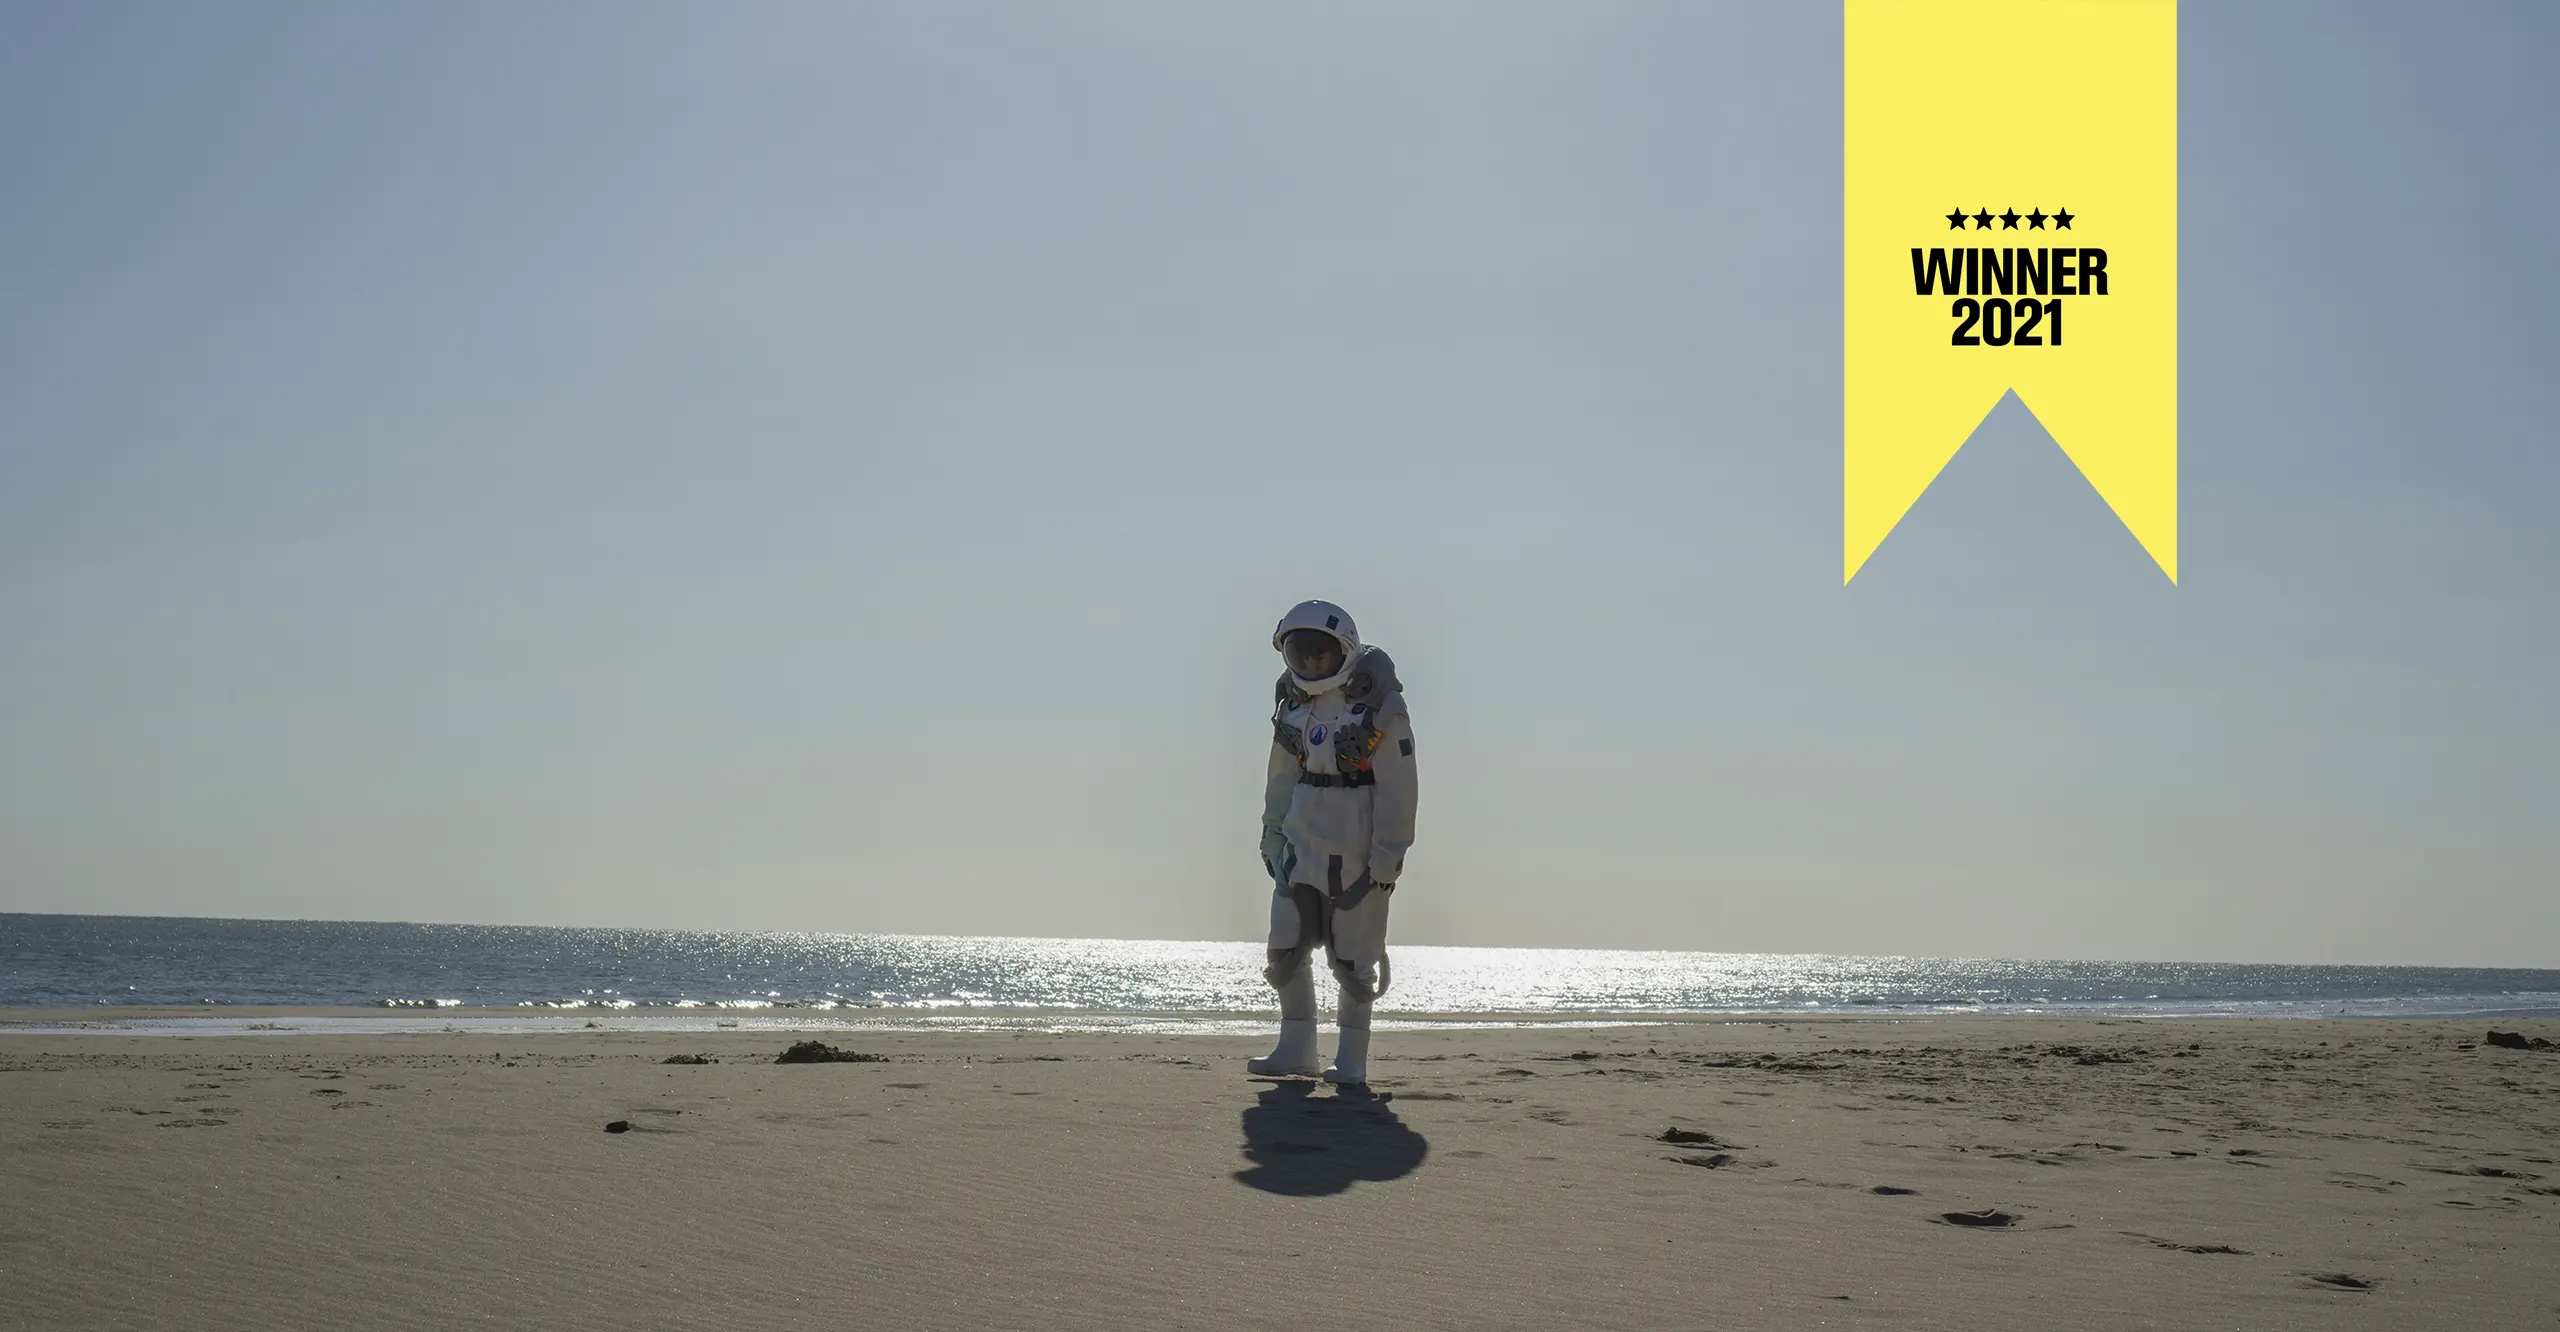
point(2516, 1040)
point(688, 1059)
point(814, 1052)
point(2175, 1247)
point(2090, 1055)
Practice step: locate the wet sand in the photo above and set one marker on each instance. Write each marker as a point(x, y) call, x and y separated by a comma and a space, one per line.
point(1831, 1173)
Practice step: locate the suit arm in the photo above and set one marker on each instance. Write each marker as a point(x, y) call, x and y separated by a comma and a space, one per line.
point(1279, 779)
point(1391, 823)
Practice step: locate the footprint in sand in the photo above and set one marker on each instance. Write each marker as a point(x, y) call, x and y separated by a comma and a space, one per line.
point(2339, 1280)
point(1987, 1217)
point(2050, 1159)
point(2485, 1172)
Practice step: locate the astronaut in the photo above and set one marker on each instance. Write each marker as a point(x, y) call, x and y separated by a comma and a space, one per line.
point(1337, 818)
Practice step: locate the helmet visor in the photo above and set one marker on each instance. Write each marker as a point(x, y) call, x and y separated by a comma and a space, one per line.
point(1312, 654)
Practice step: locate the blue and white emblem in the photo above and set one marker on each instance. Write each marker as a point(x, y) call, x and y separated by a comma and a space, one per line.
point(1316, 736)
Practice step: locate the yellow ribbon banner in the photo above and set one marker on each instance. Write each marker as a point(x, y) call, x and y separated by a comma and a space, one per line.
point(2010, 221)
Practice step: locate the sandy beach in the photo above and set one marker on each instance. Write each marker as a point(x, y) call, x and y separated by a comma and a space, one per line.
point(2154, 1173)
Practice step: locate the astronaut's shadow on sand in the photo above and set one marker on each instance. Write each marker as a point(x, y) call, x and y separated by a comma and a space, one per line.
point(1310, 1146)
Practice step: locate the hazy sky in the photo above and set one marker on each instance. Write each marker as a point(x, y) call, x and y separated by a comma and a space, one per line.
point(836, 467)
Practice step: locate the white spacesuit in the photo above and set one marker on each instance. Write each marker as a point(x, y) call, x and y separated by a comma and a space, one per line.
point(1337, 818)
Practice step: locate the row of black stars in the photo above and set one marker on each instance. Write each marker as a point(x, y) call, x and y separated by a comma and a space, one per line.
point(2060, 218)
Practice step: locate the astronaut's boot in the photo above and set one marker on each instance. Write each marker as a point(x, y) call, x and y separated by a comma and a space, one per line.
point(1351, 1052)
point(1295, 1055)
point(1350, 1058)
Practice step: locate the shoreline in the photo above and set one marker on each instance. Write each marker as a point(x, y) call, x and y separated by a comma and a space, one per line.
point(317, 1020)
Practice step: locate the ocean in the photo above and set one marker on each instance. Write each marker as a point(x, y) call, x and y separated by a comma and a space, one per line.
point(549, 977)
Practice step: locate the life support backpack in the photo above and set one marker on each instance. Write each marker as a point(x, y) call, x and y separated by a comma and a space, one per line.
point(1373, 692)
